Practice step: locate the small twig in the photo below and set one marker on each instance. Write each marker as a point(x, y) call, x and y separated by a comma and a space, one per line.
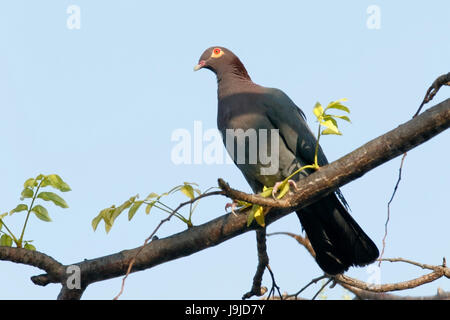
point(315, 280)
point(302, 240)
point(431, 92)
point(133, 260)
point(321, 288)
point(442, 268)
point(274, 284)
point(389, 206)
point(443, 80)
point(251, 198)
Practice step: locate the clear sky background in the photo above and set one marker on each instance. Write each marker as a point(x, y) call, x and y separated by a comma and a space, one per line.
point(98, 106)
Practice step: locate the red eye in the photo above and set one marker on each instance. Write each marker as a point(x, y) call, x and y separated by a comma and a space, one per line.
point(216, 51)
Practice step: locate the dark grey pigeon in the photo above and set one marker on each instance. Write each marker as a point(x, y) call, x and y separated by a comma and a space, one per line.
point(247, 116)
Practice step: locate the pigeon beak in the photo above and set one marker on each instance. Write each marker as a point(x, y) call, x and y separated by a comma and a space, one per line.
point(200, 65)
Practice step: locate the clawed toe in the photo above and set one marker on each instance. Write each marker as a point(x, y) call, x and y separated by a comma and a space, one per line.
point(293, 184)
point(231, 205)
point(277, 186)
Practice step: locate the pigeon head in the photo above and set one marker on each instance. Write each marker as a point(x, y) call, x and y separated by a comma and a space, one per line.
point(221, 61)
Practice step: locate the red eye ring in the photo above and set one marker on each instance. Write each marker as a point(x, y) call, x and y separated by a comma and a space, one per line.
point(216, 51)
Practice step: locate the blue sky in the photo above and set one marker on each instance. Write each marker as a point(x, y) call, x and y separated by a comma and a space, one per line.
point(98, 105)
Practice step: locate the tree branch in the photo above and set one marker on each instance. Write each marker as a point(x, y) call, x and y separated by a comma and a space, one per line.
point(355, 164)
point(368, 295)
point(366, 290)
point(311, 188)
point(54, 269)
point(263, 262)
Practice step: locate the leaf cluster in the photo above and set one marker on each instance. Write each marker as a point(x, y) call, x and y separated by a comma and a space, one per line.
point(31, 192)
point(153, 200)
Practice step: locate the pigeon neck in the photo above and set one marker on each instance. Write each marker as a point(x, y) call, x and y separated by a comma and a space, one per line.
point(232, 78)
point(230, 83)
point(233, 70)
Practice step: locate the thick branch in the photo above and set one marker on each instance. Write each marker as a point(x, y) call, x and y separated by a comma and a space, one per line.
point(263, 261)
point(318, 184)
point(357, 163)
point(36, 259)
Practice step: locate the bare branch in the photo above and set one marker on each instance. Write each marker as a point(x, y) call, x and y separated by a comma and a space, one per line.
point(431, 92)
point(302, 240)
point(55, 270)
point(368, 295)
point(389, 206)
point(443, 80)
point(361, 288)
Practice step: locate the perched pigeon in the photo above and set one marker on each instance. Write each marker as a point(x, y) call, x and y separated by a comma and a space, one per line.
point(249, 111)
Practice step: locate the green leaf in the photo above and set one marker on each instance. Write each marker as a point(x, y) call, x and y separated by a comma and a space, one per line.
point(283, 191)
point(149, 207)
point(251, 216)
point(165, 193)
point(26, 193)
point(19, 208)
point(259, 215)
point(50, 196)
point(331, 131)
point(56, 182)
point(29, 246)
point(337, 105)
point(133, 209)
point(106, 215)
point(331, 125)
point(1, 219)
point(340, 117)
point(6, 240)
point(151, 196)
point(41, 213)
point(96, 221)
point(328, 118)
point(243, 204)
point(121, 208)
point(30, 183)
point(267, 192)
point(318, 110)
point(191, 183)
point(188, 191)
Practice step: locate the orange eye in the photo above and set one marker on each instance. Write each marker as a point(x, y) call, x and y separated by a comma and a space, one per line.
point(217, 53)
